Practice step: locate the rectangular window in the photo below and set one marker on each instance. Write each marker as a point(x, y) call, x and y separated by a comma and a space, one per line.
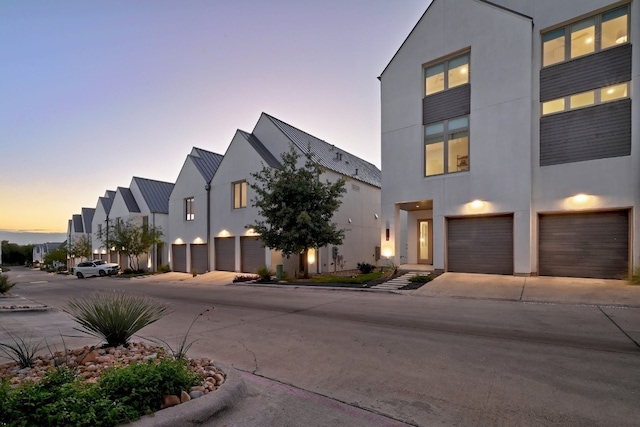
point(240, 194)
point(582, 38)
point(447, 75)
point(586, 99)
point(189, 209)
point(447, 147)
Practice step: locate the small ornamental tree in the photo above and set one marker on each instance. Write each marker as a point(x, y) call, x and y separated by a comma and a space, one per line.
point(59, 254)
point(296, 206)
point(81, 248)
point(131, 239)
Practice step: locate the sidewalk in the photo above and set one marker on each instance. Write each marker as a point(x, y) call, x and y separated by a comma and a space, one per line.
point(562, 290)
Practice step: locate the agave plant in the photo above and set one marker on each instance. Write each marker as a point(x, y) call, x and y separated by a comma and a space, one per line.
point(22, 351)
point(115, 316)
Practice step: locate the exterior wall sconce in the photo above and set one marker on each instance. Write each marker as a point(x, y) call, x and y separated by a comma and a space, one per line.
point(580, 198)
point(477, 204)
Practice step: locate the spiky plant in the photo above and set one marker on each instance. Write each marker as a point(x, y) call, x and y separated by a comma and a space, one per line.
point(5, 284)
point(22, 351)
point(115, 316)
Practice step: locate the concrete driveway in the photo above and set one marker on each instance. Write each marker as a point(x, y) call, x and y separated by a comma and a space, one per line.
point(566, 290)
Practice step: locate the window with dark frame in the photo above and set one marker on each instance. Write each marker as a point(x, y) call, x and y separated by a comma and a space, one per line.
point(240, 194)
point(189, 209)
point(446, 147)
point(447, 74)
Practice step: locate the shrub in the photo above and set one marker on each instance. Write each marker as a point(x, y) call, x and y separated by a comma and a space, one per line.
point(115, 316)
point(245, 278)
point(194, 273)
point(420, 278)
point(22, 351)
point(164, 268)
point(365, 267)
point(5, 284)
point(140, 386)
point(265, 274)
point(127, 271)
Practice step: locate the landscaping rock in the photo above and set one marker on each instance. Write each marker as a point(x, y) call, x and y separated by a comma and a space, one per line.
point(184, 397)
point(169, 400)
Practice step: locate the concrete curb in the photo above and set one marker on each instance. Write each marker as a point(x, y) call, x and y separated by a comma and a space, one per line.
point(11, 303)
point(198, 411)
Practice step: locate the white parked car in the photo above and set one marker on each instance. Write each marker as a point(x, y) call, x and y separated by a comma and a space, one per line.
point(95, 268)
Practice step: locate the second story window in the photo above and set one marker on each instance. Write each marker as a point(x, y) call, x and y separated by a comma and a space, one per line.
point(447, 74)
point(189, 209)
point(600, 32)
point(446, 147)
point(240, 194)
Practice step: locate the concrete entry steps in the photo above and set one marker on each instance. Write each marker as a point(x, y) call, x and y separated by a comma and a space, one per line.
point(398, 282)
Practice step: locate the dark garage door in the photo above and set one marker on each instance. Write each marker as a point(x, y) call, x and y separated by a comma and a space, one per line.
point(225, 253)
point(593, 244)
point(179, 258)
point(251, 254)
point(480, 245)
point(199, 258)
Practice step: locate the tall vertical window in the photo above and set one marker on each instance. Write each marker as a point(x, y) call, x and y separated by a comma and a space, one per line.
point(447, 75)
point(600, 32)
point(447, 146)
point(189, 209)
point(240, 194)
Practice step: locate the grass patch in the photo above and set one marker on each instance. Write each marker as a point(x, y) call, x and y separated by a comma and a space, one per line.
point(359, 279)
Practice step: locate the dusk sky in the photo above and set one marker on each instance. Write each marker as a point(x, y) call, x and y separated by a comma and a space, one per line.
point(95, 92)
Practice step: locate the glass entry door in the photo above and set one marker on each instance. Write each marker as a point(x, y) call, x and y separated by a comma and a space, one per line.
point(425, 242)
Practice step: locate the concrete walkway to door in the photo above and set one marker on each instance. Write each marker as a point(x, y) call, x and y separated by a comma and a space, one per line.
point(567, 290)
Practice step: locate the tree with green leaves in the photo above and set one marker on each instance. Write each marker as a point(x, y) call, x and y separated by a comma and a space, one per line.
point(296, 207)
point(81, 247)
point(131, 238)
point(59, 254)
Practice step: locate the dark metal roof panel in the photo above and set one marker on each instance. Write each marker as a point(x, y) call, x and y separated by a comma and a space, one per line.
point(87, 217)
point(155, 193)
point(77, 223)
point(266, 155)
point(330, 156)
point(106, 203)
point(206, 162)
point(110, 194)
point(129, 200)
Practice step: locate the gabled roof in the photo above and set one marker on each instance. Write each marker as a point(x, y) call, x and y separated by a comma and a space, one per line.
point(106, 204)
point(87, 217)
point(506, 9)
point(155, 194)
point(206, 162)
point(266, 155)
point(330, 156)
point(77, 223)
point(110, 194)
point(129, 200)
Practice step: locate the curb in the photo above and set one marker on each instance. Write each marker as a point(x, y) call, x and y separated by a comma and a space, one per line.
point(198, 411)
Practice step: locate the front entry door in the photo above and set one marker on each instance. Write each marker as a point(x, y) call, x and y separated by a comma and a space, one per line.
point(425, 242)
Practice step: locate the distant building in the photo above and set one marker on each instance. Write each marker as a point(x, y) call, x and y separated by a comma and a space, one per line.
point(41, 250)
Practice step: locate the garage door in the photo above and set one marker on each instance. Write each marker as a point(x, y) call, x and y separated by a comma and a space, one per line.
point(199, 258)
point(594, 244)
point(225, 253)
point(251, 254)
point(179, 258)
point(480, 245)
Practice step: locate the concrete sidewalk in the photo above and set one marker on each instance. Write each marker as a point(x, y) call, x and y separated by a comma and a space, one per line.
point(563, 290)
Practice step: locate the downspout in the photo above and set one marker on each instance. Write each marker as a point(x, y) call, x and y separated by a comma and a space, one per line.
point(208, 188)
point(154, 255)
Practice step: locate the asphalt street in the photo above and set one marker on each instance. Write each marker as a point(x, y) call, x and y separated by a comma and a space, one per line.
point(377, 358)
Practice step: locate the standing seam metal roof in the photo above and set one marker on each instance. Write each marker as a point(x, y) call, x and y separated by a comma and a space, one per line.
point(330, 156)
point(87, 217)
point(129, 200)
point(155, 193)
point(266, 155)
point(206, 162)
point(77, 223)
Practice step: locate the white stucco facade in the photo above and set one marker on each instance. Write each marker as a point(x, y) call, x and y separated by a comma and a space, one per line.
point(505, 175)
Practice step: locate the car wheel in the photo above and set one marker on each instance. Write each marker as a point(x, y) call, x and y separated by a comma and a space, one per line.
point(102, 273)
point(80, 275)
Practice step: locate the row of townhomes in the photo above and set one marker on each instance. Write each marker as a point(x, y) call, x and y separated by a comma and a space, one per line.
point(203, 216)
point(510, 145)
point(511, 139)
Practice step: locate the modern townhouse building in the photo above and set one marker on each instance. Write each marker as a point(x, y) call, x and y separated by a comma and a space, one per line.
point(511, 139)
point(41, 250)
point(236, 248)
point(189, 212)
point(79, 227)
point(99, 226)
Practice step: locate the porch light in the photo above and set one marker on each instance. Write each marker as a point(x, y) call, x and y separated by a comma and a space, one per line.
point(311, 256)
point(223, 233)
point(386, 253)
point(179, 241)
